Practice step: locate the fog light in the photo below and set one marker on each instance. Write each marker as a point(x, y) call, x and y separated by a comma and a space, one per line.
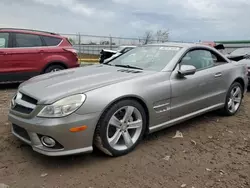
point(48, 142)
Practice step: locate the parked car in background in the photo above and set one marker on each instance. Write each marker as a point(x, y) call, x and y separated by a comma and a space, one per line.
point(219, 47)
point(26, 53)
point(241, 55)
point(121, 50)
point(106, 55)
point(145, 90)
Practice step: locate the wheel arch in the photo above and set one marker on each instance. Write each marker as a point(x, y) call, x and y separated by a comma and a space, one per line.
point(241, 82)
point(54, 63)
point(130, 97)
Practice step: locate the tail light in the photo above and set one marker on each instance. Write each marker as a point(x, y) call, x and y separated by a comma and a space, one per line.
point(72, 50)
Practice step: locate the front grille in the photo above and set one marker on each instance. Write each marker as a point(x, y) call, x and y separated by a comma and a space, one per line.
point(22, 109)
point(29, 99)
point(21, 132)
point(23, 103)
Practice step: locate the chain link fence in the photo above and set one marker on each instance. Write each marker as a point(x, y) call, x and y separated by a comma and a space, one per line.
point(89, 46)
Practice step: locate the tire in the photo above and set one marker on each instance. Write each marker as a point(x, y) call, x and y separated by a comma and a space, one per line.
point(127, 138)
point(235, 100)
point(54, 68)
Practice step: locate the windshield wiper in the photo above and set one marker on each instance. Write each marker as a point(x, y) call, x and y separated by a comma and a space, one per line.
point(129, 66)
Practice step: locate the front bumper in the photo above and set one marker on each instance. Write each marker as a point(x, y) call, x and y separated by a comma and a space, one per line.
point(68, 143)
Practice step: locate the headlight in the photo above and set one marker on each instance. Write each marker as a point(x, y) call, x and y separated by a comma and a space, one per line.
point(63, 107)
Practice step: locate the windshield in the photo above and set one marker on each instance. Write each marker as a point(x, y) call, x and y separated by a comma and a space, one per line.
point(241, 51)
point(147, 57)
point(120, 48)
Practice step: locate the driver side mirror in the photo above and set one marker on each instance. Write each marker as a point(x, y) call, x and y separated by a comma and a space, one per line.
point(186, 70)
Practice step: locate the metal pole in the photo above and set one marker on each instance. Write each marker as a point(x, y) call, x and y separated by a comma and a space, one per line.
point(79, 42)
point(110, 41)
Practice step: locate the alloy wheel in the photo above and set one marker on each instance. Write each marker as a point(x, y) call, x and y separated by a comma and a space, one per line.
point(234, 99)
point(124, 128)
point(55, 70)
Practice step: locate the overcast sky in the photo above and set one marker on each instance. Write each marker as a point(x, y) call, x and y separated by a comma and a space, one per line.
point(189, 20)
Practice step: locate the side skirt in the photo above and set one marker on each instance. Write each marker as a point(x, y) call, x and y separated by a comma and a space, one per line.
point(184, 118)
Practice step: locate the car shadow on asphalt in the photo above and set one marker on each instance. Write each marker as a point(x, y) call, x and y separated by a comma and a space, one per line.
point(63, 162)
point(9, 86)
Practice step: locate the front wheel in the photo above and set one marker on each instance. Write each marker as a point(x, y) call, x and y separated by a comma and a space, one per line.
point(121, 128)
point(233, 99)
point(54, 68)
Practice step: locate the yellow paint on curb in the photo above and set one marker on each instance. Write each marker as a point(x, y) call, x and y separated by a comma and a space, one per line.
point(89, 60)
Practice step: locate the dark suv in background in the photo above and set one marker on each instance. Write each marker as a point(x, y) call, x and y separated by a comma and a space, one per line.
point(26, 53)
point(107, 55)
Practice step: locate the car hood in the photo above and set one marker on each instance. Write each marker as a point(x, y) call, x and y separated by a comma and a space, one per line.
point(50, 87)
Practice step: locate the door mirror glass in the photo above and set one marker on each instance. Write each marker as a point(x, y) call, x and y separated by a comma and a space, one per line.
point(186, 70)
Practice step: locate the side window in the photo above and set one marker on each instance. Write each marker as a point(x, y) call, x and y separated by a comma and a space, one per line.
point(201, 59)
point(4, 40)
point(51, 41)
point(28, 40)
point(218, 60)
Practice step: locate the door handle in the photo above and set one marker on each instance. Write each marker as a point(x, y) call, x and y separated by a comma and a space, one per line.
point(218, 74)
point(2, 53)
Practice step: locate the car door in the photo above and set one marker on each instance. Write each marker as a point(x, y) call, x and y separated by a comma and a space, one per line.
point(221, 70)
point(26, 54)
point(198, 92)
point(4, 52)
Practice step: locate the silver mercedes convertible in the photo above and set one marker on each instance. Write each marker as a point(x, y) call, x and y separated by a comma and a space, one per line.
point(112, 106)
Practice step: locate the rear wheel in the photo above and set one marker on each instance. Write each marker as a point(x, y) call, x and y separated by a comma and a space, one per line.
point(233, 99)
point(54, 68)
point(120, 128)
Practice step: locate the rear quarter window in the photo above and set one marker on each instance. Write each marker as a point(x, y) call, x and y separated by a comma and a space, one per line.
point(4, 40)
point(71, 42)
point(51, 41)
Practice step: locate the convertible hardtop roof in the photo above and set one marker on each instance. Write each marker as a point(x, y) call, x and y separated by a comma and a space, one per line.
point(179, 44)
